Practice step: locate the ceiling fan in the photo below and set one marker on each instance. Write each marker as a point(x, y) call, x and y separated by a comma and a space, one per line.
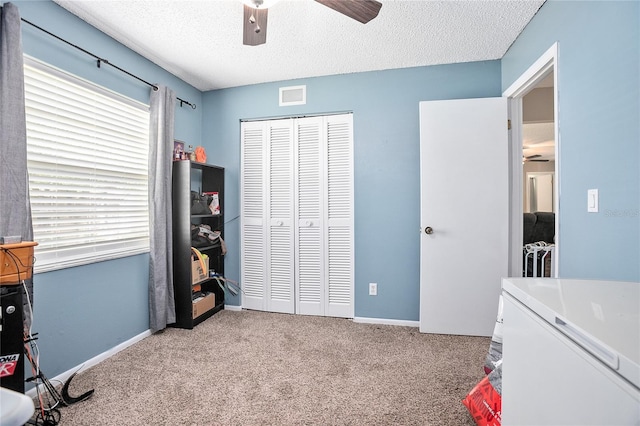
point(535, 157)
point(255, 15)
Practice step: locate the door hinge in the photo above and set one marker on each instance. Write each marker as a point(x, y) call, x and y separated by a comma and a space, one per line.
point(508, 124)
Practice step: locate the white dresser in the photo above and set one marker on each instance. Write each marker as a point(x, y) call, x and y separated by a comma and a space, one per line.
point(571, 352)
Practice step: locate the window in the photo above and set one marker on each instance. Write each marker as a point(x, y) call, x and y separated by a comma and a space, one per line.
point(87, 157)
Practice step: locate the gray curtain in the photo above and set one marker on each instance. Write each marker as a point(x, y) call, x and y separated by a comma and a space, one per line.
point(161, 301)
point(15, 209)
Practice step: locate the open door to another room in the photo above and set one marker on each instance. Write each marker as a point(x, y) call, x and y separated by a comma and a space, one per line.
point(534, 177)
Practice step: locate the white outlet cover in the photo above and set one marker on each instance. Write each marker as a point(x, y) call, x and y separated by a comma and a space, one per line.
point(373, 289)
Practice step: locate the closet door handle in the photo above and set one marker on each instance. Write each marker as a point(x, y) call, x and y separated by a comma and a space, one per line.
point(428, 230)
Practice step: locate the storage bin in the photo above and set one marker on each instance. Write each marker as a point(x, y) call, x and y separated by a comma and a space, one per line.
point(197, 274)
point(203, 304)
point(16, 262)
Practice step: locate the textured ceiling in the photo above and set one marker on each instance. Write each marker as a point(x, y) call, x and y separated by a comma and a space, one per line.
point(201, 41)
point(538, 139)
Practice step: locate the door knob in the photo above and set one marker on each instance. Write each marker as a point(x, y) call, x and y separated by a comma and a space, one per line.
point(428, 230)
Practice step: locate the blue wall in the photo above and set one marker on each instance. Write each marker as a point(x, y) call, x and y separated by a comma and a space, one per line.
point(386, 164)
point(599, 121)
point(84, 311)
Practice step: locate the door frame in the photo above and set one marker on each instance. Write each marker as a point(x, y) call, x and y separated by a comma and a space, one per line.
point(526, 82)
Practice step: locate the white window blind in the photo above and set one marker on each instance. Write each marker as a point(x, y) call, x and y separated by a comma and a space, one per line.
point(87, 157)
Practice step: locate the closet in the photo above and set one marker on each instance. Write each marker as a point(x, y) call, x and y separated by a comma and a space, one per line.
point(297, 215)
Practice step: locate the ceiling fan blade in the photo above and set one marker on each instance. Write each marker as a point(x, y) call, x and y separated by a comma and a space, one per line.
point(360, 10)
point(254, 29)
point(534, 158)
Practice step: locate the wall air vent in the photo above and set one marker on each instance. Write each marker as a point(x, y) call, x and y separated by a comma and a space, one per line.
point(293, 95)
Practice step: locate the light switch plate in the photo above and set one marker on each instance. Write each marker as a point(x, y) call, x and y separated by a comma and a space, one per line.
point(592, 200)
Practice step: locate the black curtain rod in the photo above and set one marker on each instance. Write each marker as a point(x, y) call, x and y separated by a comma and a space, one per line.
point(104, 61)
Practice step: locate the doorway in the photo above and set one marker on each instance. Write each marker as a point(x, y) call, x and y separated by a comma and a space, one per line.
point(534, 163)
point(460, 264)
point(538, 147)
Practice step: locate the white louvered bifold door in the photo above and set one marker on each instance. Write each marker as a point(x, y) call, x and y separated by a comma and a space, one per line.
point(280, 181)
point(297, 215)
point(309, 236)
point(253, 215)
point(338, 228)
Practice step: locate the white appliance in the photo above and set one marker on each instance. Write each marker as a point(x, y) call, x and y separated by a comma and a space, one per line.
point(571, 352)
point(15, 408)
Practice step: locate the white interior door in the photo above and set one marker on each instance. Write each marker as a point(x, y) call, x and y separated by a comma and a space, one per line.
point(310, 211)
point(253, 234)
point(464, 165)
point(280, 249)
point(267, 228)
point(339, 215)
point(324, 237)
point(539, 192)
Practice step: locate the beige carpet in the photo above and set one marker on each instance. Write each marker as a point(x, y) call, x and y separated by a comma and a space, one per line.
point(256, 368)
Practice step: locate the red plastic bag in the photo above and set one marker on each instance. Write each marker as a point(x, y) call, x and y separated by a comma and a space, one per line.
point(484, 404)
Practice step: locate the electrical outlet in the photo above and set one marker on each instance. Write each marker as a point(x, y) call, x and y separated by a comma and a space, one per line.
point(373, 289)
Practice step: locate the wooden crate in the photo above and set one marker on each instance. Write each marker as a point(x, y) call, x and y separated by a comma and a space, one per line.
point(16, 262)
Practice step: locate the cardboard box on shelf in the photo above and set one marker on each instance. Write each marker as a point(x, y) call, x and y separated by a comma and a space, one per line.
point(16, 262)
point(203, 304)
point(197, 274)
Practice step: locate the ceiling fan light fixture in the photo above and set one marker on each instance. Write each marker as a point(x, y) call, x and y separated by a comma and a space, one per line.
point(254, 31)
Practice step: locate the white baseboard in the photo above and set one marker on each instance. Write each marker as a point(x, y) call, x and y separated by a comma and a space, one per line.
point(384, 321)
point(365, 320)
point(232, 308)
point(63, 377)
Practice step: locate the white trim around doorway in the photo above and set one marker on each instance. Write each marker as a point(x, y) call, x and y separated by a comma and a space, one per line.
point(532, 76)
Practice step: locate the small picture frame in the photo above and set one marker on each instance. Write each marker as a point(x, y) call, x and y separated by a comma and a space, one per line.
point(178, 150)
